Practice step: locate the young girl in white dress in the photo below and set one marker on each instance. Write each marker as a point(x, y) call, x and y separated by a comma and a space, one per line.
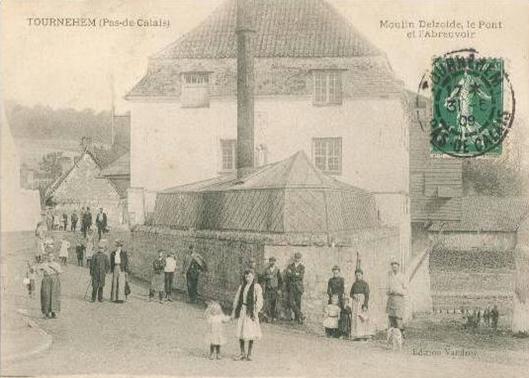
point(247, 304)
point(215, 336)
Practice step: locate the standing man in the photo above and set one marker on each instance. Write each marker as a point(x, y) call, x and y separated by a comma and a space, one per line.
point(88, 217)
point(294, 278)
point(99, 267)
point(157, 279)
point(73, 221)
point(193, 265)
point(119, 266)
point(64, 221)
point(169, 271)
point(397, 290)
point(272, 283)
point(101, 222)
point(84, 226)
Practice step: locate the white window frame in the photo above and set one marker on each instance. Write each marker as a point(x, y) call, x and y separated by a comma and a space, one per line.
point(224, 144)
point(327, 87)
point(195, 84)
point(327, 154)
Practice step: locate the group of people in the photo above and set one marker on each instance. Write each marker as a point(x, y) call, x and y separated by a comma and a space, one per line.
point(56, 222)
point(163, 277)
point(347, 316)
point(478, 317)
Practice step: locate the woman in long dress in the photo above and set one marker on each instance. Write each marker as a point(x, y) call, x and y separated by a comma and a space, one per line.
point(50, 289)
point(119, 266)
point(520, 314)
point(247, 304)
point(359, 306)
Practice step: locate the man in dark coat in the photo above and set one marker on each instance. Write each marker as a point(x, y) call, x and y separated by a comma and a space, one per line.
point(294, 280)
point(86, 221)
point(271, 282)
point(101, 222)
point(193, 265)
point(73, 221)
point(336, 285)
point(99, 267)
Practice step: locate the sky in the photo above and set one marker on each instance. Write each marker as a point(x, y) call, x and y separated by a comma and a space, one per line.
point(95, 67)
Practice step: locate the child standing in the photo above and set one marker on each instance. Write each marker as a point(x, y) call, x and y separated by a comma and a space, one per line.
point(63, 253)
point(363, 326)
point(89, 249)
point(79, 251)
point(215, 335)
point(30, 279)
point(332, 317)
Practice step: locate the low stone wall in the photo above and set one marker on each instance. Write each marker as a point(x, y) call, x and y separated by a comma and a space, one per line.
point(227, 255)
point(226, 259)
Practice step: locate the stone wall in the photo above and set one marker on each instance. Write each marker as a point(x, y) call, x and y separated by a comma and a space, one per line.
point(227, 255)
point(226, 259)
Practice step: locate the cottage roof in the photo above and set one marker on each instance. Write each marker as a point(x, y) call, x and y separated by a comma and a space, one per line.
point(284, 28)
point(488, 214)
point(101, 157)
point(120, 167)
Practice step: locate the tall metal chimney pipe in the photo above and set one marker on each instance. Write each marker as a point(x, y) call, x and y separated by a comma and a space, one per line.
point(245, 86)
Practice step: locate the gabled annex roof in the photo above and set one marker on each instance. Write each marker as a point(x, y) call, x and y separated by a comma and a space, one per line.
point(290, 196)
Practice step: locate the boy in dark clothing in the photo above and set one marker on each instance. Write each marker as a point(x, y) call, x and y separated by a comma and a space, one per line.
point(79, 250)
point(494, 315)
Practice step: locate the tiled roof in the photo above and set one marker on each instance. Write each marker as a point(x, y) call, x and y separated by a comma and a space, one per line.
point(487, 213)
point(284, 28)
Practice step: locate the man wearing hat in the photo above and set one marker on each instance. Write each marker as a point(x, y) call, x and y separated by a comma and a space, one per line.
point(336, 285)
point(397, 290)
point(99, 267)
point(271, 283)
point(194, 263)
point(294, 280)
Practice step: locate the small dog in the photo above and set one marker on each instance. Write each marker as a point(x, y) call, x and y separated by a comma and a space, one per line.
point(394, 338)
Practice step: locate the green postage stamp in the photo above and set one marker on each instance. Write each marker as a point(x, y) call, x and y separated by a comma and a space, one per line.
point(472, 112)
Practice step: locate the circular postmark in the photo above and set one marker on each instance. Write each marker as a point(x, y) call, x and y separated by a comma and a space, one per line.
point(472, 104)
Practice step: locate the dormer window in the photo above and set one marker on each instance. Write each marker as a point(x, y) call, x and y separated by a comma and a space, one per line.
point(327, 87)
point(195, 89)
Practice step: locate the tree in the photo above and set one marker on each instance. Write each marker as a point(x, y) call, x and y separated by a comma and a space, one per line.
point(504, 175)
point(51, 165)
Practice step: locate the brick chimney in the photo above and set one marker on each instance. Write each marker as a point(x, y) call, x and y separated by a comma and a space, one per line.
point(245, 86)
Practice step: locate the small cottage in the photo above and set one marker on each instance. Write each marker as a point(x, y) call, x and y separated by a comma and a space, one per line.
point(83, 185)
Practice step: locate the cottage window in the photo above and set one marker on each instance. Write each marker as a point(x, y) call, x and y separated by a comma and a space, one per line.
point(195, 90)
point(327, 87)
point(327, 154)
point(228, 154)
